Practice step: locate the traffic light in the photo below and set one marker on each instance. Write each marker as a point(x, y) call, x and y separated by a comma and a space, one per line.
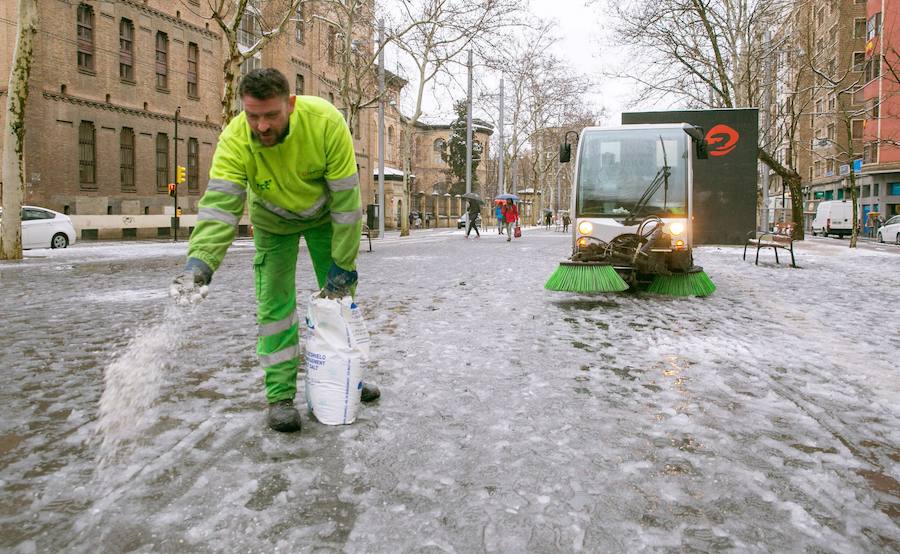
point(171, 189)
point(179, 174)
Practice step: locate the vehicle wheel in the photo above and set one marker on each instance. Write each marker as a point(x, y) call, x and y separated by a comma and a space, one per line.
point(59, 240)
point(880, 238)
point(897, 239)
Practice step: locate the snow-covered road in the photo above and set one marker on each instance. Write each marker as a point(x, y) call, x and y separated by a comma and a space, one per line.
point(513, 419)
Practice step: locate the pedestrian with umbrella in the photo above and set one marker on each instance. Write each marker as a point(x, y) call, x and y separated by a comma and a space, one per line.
point(473, 211)
point(498, 213)
point(510, 213)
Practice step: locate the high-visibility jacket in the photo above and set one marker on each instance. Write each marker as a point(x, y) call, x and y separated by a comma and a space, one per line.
point(304, 181)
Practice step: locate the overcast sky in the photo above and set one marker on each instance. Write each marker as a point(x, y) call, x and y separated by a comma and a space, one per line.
point(581, 43)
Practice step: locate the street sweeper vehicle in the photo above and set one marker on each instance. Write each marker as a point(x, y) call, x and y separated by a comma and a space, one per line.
point(632, 202)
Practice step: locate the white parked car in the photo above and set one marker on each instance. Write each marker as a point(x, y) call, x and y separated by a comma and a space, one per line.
point(43, 228)
point(890, 231)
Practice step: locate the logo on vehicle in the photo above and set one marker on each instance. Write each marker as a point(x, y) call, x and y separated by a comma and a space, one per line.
point(721, 139)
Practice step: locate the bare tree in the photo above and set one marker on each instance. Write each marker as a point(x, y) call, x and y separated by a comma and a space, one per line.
point(709, 55)
point(351, 27)
point(440, 30)
point(14, 132)
point(247, 27)
point(842, 85)
point(546, 96)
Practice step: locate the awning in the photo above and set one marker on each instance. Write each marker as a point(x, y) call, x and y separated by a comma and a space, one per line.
point(391, 174)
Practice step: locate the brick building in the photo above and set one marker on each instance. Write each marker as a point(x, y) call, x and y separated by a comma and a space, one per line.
point(107, 80)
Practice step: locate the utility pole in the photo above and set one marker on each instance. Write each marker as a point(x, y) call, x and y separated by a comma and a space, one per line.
point(381, 130)
point(469, 130)
point(501, 151)
point(767, 79)
point(176, 222)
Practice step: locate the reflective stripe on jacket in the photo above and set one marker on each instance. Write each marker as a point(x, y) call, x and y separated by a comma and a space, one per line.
point(304, 181)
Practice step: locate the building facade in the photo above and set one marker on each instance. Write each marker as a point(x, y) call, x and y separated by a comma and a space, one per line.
point(110, 78)
point(879, 178)
point(832, 82)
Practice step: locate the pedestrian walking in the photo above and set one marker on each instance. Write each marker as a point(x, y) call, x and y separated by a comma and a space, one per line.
point(473, 211)
point(293, 156)
point(547, 217)
point(566, 221)
point(510, 216)
point(498, 213)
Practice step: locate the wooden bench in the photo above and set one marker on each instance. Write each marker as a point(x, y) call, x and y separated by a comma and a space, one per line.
point(368, 234)
point(781, 237)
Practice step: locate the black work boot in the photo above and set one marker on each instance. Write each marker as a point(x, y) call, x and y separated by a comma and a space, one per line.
point(370, 393)
point(283, 416)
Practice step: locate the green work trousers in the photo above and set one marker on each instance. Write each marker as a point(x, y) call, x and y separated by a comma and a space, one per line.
point(275, 274)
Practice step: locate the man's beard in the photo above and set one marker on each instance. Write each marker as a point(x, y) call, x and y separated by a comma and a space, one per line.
point(281, 137)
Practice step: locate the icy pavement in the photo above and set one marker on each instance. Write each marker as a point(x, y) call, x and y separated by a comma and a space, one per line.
point(513, 419)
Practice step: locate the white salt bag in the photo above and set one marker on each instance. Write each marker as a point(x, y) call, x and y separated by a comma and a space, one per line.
point(337, 345)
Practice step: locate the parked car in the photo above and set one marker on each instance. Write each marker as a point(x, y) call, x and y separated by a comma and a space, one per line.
point(890, 231)
point(833, 217)
point(43, 228)
point(463, 221)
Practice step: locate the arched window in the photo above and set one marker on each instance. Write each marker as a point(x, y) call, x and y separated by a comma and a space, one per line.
point(389, 147)
point(439, 146)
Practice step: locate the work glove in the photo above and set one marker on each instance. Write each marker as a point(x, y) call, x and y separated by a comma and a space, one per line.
point(339, 282)
point(192, 285)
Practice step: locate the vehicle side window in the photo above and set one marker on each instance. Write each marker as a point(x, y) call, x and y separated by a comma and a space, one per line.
point(29, 214)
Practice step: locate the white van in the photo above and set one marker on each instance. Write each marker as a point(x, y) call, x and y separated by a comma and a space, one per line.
point(833, 217)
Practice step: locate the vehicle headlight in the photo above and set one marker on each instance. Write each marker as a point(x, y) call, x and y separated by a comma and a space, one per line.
point(585, 227)
point(582, 242)
point(676, 228)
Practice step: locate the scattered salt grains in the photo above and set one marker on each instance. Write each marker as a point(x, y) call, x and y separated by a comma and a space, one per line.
point(132, 384)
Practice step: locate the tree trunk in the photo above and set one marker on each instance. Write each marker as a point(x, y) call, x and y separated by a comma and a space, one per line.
point(792, 179)
point(854, 234)
point(231, 68)
point(13, 171)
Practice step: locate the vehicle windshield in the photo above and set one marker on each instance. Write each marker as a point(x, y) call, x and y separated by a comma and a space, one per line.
point(616, 168)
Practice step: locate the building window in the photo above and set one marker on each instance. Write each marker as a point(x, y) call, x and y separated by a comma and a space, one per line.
point(331, 44)
point(299, 84)
point(829, 167)
point(389, 147)
point(85, 37)
point(162, 162)
point(856, 129)
point(819, 105)
point(820, 17)
point(832, 102)
point(873, 26)
point(126, 159)
point(162, 61)
point(331, 97)
point(830, 131)
point(873, 68)
point(859, 27)
point(859, 61)
point(299, 25)
point(248, 35)
point(438, 153)
point(193, 164)
point(818, 165)
point(193, 55)
point(126, 50)
point(87, 154)
point(869, 155)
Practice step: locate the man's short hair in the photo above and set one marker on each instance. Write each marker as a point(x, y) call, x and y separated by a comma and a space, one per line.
point(263, 84)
